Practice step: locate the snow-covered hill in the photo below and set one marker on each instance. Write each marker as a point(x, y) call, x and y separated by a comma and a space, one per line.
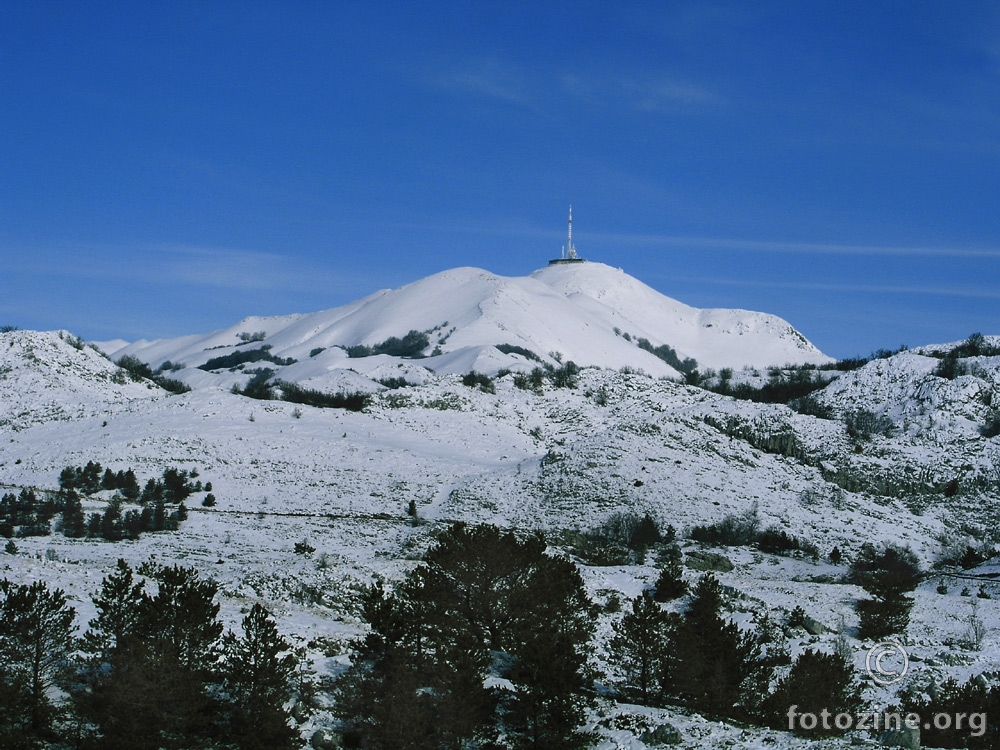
point(589, 313)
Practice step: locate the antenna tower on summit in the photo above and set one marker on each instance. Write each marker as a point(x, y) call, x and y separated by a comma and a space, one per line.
point(569, 251)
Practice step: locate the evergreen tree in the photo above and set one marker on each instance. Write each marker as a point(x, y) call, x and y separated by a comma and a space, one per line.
point(74, 524)
point(69, 478)
point(175, 485)
point(145, 684)
point(152, 492)
point(108, 481)
point(380, 698)
point(36, 637)
point(712, 665)
point(111, 522)
point(645, 535)
point(553, 684)
point(670, 584)
point(639, 646)
point(257, 676)
point(817, 683)
point(129, 486)
point(90, 478)
point(159, 515)
point(482, 597)
point(118, 605)
point(550, 696)
point(888, 576)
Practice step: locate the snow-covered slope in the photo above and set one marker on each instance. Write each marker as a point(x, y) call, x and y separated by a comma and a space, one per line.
point(560, 460)
point(589, 313)
point(53, 377)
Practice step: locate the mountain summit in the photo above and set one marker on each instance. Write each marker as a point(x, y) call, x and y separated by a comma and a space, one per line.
point(589, 313)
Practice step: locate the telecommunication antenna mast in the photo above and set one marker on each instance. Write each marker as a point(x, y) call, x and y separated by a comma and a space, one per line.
point(569, 251)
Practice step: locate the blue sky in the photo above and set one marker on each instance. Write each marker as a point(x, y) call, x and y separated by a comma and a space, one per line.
point(169, 168)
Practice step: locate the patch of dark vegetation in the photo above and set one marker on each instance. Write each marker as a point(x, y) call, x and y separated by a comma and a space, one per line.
point(622, 539)
point(479, 380)
point(974, 701)
point(137, 371)
point(991, 427)
point(566, 375)
point(235, 359)
point(743, 530)
point(512, 349)
point(411, 346)
point(953, 364)
point(790, 386)
point(668, 354)
point(395, 383)
point(161, 504)
point(262, 388)
point(862, 424)
point(153, 668)
point(856, 363)
point(296, 394)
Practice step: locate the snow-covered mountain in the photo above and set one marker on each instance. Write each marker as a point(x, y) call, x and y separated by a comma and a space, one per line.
point(589, 313)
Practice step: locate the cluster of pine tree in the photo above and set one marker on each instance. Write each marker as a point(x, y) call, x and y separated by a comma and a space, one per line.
point(161, 500)
point(90, 479)
point(704, 661)
point(153, 669)
point(485, 603)
point(25, 515)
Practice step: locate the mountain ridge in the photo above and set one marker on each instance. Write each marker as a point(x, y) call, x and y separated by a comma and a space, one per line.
point(589, 313)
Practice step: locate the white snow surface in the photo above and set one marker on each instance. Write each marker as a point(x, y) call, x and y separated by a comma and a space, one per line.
point(558, 460)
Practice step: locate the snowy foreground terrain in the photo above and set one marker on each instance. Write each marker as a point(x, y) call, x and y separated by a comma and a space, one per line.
point(630, 436)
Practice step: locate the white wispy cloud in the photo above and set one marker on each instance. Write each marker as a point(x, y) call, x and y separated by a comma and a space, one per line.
point(491, 78)
point(181, 264)
point(655, 93)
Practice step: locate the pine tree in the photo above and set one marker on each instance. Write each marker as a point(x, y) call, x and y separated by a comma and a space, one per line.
point(888, 576)
point(36, 636)
point(553, 683)
point(645, 534)
point(257, 675)
point(483, 596)
point(90, 478)
point(670, 584)
point(118, 606)
point(151, 657)
point(74, 523)
point(817, 682)
point(111, 523)
point(109, 481)
point(639, 646)
point(712, 665)
point(129, 486)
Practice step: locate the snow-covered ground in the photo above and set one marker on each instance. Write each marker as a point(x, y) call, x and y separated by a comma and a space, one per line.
point(563, 459)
